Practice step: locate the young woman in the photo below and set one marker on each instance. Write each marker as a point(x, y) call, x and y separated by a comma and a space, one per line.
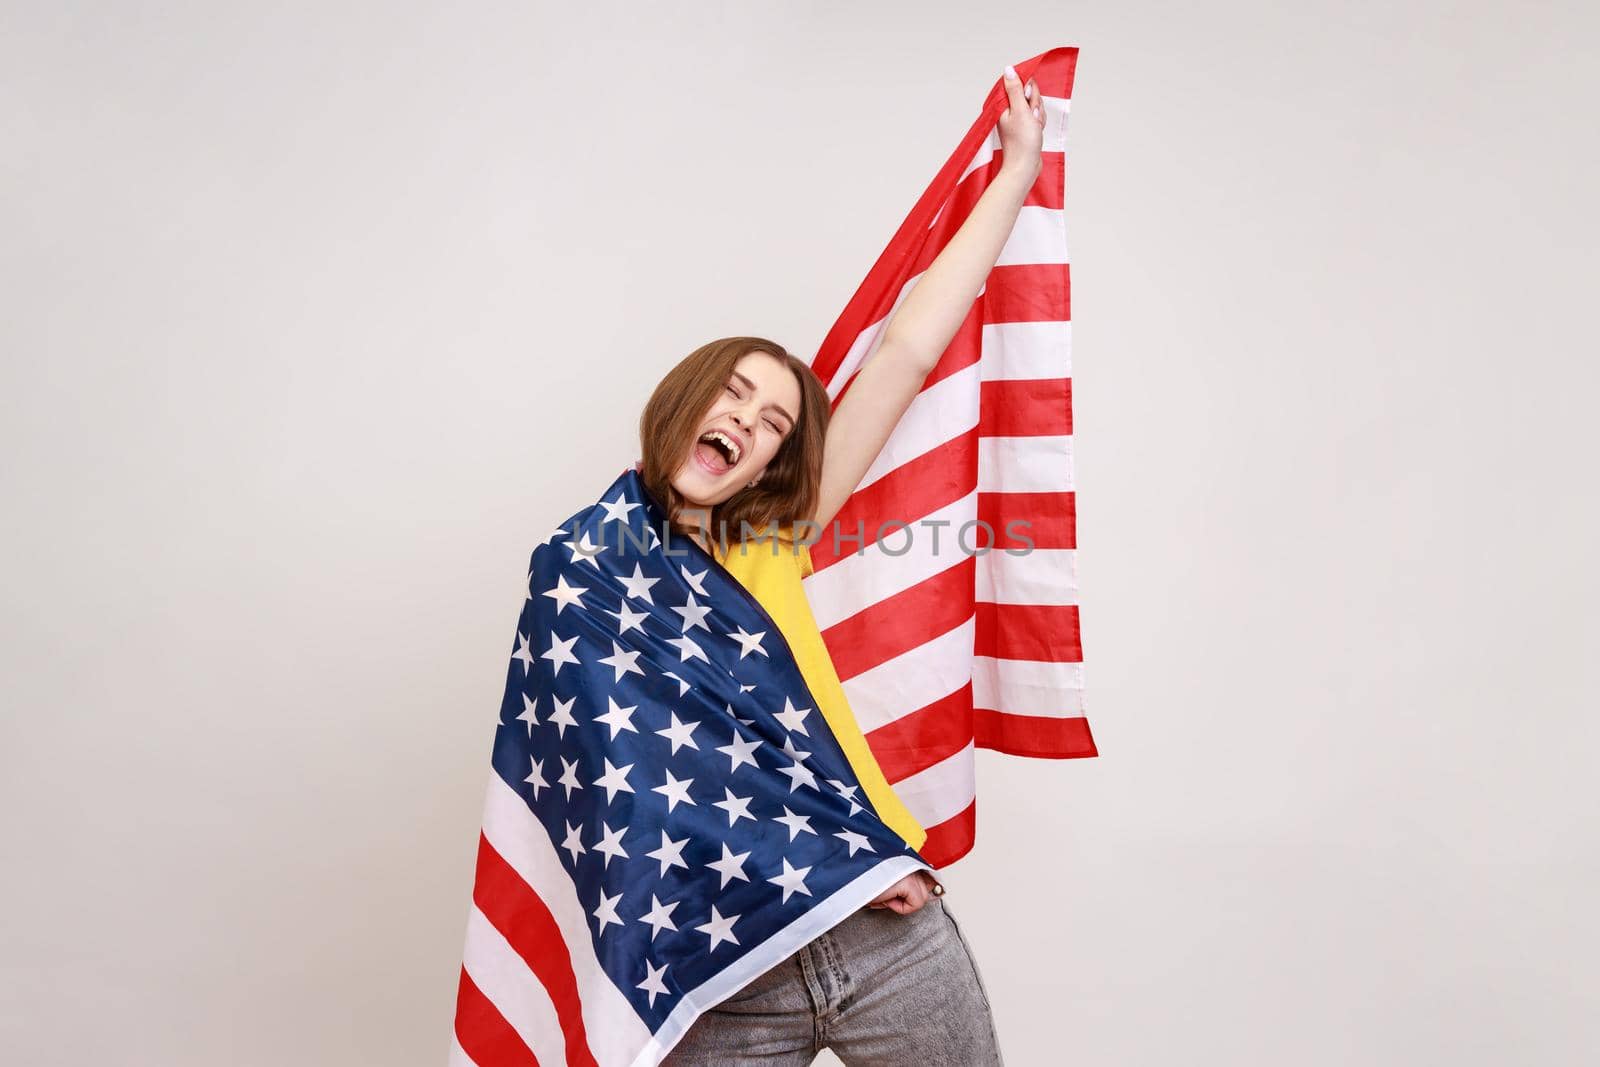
point(740, 432)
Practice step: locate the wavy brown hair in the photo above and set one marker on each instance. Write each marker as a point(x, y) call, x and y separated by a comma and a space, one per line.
point(671, 423)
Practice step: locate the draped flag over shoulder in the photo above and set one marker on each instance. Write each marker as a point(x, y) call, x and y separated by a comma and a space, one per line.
point(668, 815)
point(943, 651)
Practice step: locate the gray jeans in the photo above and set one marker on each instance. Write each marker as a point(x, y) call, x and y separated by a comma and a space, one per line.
point(879, 989)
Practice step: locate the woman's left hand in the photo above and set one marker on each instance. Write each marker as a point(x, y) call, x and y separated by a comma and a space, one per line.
point(908, 894)
point(1022, 125)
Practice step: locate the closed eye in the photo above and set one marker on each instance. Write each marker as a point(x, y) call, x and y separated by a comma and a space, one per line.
point(775, 427)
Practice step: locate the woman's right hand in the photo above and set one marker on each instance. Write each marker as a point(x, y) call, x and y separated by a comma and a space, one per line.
point(908, 894)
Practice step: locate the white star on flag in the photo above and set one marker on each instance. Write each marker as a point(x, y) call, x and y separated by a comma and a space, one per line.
point(670, 853)
point(678, 733)
point(674, 790)
point(740, 752)
point(730, 866)
point(796, 823)
point(855, 841)
point(562, 718)
point(528, 715)
point(659, 916)
point(559, 653)
point(615, 780)
point(622, 662)
point(748, 642)
point(618, 718)
point(618, 509)
point(524, 653)
point(735, 806)
point(610, 845)
point(791, 880)
point(628, 619)
point(793, 718)
point(652, 977)
point(607, 911)
point(696, 580)
point(693, 614)
point(585, 550)
point(569, 776)
point(564, 594)
point(574, 842)
point(536, 777)
point(639, 586)
point(720, 929)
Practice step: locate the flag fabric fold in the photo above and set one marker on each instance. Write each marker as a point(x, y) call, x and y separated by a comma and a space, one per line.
point(946, 645)
point(668, 815)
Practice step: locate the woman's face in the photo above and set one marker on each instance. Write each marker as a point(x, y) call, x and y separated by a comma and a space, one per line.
point(753, 415)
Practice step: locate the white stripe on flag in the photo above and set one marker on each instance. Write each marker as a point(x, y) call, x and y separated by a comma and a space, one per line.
point(1027, 687)
point(1042, 576)
point(1036, 238)
point(458, 1055)
point(1026, 351)
point(912, 680)
point(940, 412)
point(1025, 464)
point(942, 791)
point(854, 581)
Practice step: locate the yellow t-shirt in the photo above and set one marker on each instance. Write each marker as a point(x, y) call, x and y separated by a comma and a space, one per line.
point(774, 580)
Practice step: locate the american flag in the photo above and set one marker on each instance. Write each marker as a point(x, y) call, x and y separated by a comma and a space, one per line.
point(669, 815)
point(945, 652)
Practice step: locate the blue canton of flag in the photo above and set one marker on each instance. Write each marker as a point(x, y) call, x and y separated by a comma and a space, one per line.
point(660, 733)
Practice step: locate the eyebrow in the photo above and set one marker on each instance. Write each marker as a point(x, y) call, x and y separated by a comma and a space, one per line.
point(748, 384)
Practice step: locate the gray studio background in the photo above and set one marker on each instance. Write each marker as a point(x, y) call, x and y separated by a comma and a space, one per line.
point(317, 316)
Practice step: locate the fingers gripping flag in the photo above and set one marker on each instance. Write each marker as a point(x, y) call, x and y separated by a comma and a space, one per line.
point(669, 816)
point(944, 648)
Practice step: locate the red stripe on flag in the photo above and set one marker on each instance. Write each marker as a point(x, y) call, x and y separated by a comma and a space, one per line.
point(484, 1033)
point(917, 741)
point(948, 841)
point(1033, 735)
point(1048, 520)
point(1025, 407)
point(902, 622)
point(1047, 632)
point(911, 491)
point(513, 908)
point(1028, 292)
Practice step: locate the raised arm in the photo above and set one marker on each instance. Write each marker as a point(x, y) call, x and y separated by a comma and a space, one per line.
point(921, 329)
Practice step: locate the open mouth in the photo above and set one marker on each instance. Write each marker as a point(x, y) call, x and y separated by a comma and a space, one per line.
point(717, 452)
